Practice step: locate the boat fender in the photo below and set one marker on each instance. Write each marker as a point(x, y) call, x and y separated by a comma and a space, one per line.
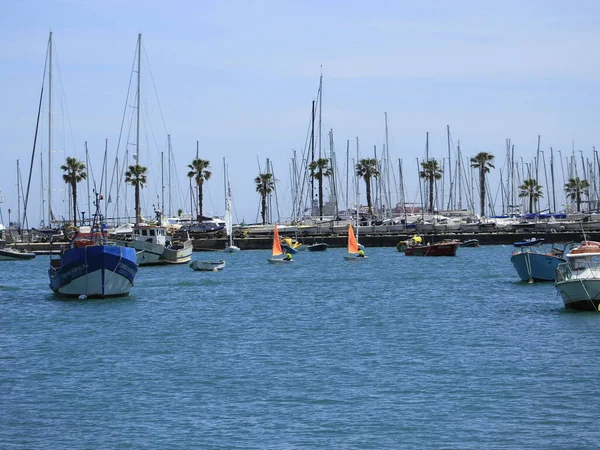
point(71, 232)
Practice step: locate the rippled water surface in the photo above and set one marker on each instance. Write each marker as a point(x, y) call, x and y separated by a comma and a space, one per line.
point(393, 352)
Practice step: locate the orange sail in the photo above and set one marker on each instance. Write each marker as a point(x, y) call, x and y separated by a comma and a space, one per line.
point(276, 243)
point(352, 244)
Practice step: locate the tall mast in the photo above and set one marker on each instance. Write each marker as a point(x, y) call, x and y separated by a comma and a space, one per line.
point(139, 77)
point(50, 130)
point(312, 153)
point(169, 177)
point(87, 180)
point(388, 186)
point(450, 196)
point(320, 109)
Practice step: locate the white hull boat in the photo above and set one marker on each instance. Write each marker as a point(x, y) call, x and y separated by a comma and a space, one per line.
point(578, 280)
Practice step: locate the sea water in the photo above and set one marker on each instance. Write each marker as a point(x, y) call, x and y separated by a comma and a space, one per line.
point(391, 352)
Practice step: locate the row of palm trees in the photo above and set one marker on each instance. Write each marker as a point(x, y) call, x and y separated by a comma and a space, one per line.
point(483, 161)
point(367, 169)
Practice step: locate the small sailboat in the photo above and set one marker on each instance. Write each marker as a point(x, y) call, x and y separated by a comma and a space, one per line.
point(277, 250)
point(231, 248)
point(354, 252)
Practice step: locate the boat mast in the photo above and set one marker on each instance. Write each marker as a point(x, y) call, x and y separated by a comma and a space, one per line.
point(87, 162)
point(50, 130)
point(388, 190)
point(169, 176)
point(312, 147)
point(450, 196)
point(137, 119)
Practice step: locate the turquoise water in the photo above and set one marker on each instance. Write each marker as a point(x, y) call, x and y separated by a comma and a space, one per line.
point(394, 352)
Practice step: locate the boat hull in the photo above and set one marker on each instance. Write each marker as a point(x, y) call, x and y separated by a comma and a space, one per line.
point(177, 255)
point(580, 294)
point(279, 261)
point(320, 247)
point(207, 266)
point(353, 257)
point(532, 266)
point(97, 271)
point(231, 249)
point(441, 249)
point(8, 254)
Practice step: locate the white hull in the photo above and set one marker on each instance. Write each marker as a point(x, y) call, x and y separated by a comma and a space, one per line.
point(178, 256)
point(91, 285)
point(147, 253)
point(279, 261)
point(580, 293)
point(232, 249)
point(350, 257)
point(207, 266)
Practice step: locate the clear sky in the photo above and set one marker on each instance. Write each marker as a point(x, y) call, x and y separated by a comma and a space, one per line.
point(239, 77)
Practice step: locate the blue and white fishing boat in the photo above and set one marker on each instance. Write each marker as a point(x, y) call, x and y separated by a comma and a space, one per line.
point(91, 268)
point(536, 264)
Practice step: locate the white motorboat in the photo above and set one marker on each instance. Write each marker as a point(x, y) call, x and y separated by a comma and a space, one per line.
point(578, 280)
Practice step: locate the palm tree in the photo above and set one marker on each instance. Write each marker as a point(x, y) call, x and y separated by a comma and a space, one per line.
point(74, 173)
point(136, 176)
point(264, 186)
point(574, 188)
point(368, 168)
point(431, 172)
point(198, 171)
point(483, 162)
point(319, 169)
point(530, 188)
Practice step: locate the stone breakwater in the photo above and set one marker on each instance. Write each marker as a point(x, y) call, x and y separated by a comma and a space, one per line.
point(340, 241)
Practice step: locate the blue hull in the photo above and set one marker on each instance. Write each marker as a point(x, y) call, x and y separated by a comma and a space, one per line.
point(533, 266)
point(95, 271)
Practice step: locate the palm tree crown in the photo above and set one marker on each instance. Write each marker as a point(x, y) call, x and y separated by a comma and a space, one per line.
point(574, 188)
point(530, 188)
point(264, 186)
point(319, 169)
point(74, 173)
point(200, 173)
point(366, 169)
point(483, 162)
point(431, 172)
point(136, 176)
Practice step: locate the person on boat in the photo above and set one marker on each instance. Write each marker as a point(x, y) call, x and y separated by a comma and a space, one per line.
point(288, 257)
point(361, 253)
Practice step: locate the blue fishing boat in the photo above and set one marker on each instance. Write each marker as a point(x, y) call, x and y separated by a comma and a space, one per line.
point(536, 264)
point(91, 268)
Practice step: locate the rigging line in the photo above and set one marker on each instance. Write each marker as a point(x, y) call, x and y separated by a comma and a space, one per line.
point(64, 103)
point(126, 103)
point(37, 126)
point(155, 91)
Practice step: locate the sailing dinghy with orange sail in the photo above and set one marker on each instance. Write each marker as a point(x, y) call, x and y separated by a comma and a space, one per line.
point(354, 252)
point(278, 251)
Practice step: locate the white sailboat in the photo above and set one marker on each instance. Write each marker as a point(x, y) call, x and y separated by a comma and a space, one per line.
point(151, 241)
point(231, 248)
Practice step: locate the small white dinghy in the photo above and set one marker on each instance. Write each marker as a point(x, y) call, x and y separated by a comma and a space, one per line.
point(207, 266)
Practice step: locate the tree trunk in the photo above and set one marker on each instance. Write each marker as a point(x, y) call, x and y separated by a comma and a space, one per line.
point(138, 214)
point(368, 183)
point(530, 203)
point(431, 195)
point(263, 212)
point(482, 189)
point(74, 188)
point(320, 197)
point(200, 200)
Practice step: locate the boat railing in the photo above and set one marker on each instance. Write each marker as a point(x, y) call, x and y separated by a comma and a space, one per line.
point(563, 272)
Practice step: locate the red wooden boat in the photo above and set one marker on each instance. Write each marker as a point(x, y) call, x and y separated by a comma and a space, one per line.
point(444, 248)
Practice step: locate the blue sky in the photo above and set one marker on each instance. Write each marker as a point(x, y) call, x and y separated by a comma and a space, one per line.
point(239, 77)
